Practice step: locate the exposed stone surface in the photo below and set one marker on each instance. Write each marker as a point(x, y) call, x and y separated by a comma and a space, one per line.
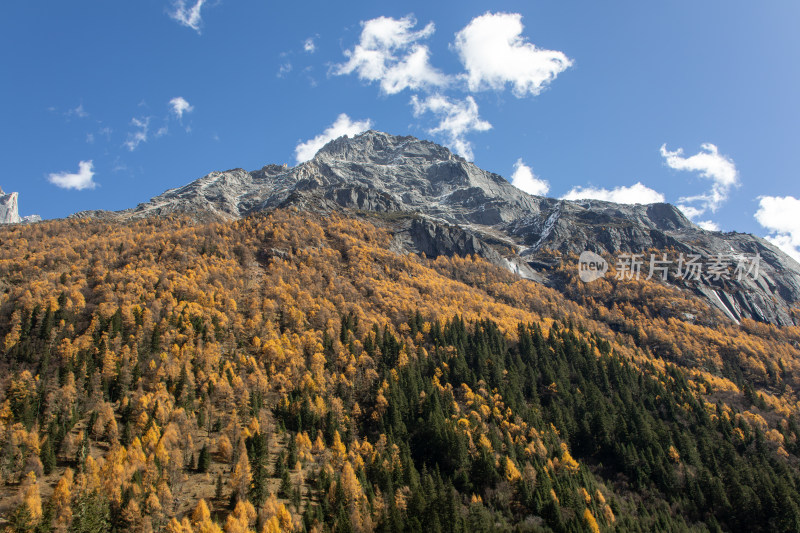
point(459, 208)
point(9, 210)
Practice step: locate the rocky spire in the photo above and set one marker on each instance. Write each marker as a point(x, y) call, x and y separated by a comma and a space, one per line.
point(9, 209)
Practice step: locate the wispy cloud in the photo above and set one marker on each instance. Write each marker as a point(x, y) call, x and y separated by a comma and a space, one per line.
point(779, 214)
point(79, 112)
point(494, 53)
point(135, 138)
point(389, 52)
point(188, 16)
point(78, 181)
point(457, 118)
point(634, 194)
point(119, 166)
point(711, 165)
point(103, 133)
point(342, 126)
point(284, 69)
point(524, 179)
point(180, 106)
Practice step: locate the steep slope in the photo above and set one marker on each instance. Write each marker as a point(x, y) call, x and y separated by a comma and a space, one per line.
point(382, 173)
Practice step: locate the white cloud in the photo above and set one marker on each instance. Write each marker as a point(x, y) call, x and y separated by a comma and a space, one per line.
point(180, 106)
point(690, 212)
point(524, 179)
point(188, 16)
point(135, 138)
point(456, 119)
point(708, 225)
point(309, 46)
point(388, 52)
point(342, 126)
point(493, 51)
point(79, 181)
point(635, 194)
point(710, 164)
point(779, 214)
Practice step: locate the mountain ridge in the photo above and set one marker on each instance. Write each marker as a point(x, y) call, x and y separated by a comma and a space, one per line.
point(381, 173)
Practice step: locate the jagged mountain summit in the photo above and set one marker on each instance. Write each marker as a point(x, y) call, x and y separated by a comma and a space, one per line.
point(9, 210)
point(442, 204)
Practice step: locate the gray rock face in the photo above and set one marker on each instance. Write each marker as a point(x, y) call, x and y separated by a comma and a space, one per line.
point(9, 210)
point(459, 208)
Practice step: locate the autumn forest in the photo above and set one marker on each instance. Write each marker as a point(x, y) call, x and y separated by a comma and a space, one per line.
point(290, 372)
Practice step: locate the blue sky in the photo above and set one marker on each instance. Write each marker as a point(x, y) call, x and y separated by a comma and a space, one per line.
point(692, 102)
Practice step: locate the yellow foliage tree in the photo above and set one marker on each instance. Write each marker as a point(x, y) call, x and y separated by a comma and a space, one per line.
point(511, 470)
point(62, 496)
point(567, 462)
point(31, 497)
point(590, 521)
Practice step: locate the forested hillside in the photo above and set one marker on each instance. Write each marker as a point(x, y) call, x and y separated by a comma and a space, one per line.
point(288, 372)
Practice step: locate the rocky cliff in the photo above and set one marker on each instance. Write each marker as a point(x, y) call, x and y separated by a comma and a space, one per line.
point(442, 204)
point(9, 210)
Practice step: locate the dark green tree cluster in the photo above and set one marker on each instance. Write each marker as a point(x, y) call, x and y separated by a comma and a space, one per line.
point(639, 430)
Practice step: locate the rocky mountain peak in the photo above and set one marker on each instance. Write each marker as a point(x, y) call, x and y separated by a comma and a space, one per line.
point(450, 206)
point(383, 149)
